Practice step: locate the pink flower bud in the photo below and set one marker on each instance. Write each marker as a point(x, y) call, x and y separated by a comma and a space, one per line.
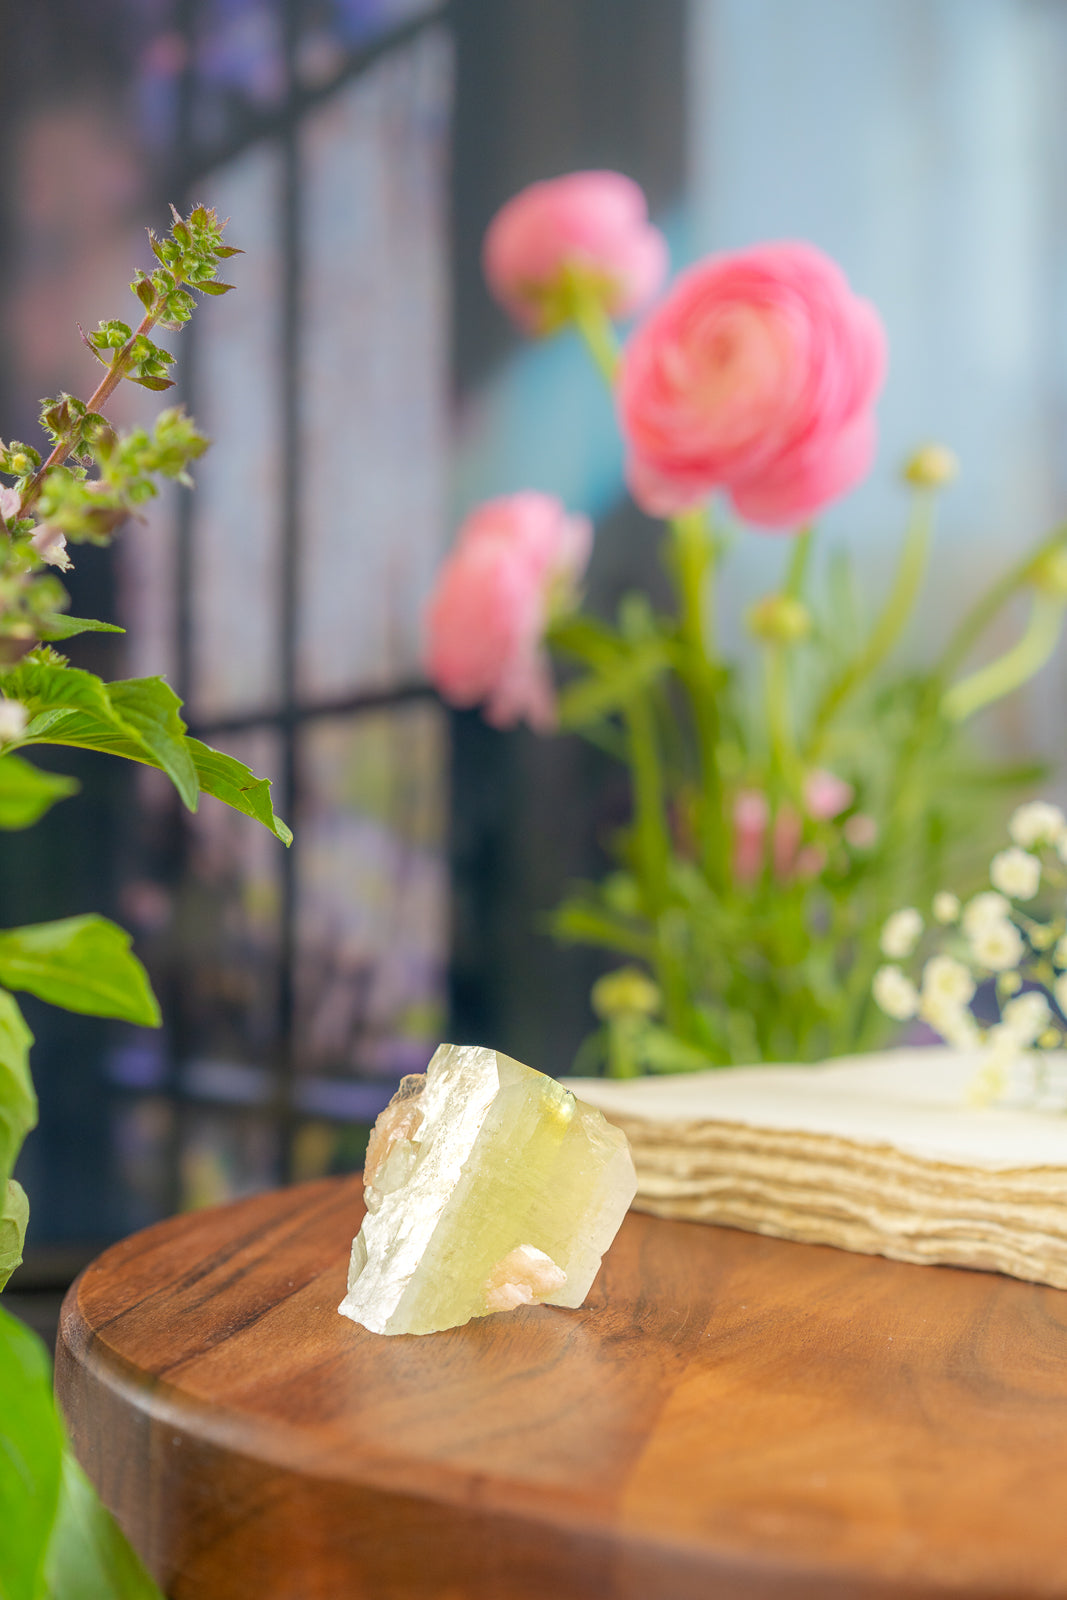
point(590, 227)
point(788, 828)
point(809, 862)
point(861, 831)
point(756, 374)
point(826, 795)
point(751, 814)
point(9, 504)
point(515, 561)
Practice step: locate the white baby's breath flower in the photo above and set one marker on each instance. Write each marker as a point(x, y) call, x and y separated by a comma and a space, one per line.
point(1000, 1056)
point(946, 979)
point(901, 933)
point(1039, 822)
point(13, 717)
point(983, 911)
point(997, 946)
point(1025, 1017)
point(1059, 992)
point(895, 993)
point(951, 1019)
point(1015, 873)
point(946, 907)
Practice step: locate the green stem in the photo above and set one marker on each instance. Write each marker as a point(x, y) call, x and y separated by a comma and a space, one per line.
point(694, 558)
point(118, 367)
point(653, 851)
point(784, 763)
point(982, 613)
point(694, 567)
point(1014, 667)
point(797, 569)
point(598, 331)
point(890, 624)
point(651, 835)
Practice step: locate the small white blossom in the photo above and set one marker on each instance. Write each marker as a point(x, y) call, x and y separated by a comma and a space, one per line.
point(984, 910)
point(901, 933)
point(997, 946)
point(895, 993)
point(1025, 1017)
point(51, 546)
point(13, 717)
point(951, 1019)
point(1015, 873)
point(946, 907)
point(1037, 823)
point(945, 978)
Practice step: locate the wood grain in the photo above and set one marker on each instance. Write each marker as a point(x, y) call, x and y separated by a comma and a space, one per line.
point(728, 1416)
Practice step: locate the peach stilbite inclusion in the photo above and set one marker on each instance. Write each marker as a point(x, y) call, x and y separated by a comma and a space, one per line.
point(488, 1186)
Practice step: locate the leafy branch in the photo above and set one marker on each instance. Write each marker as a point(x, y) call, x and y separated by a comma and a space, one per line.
point(59, 1539)
point(95, 476)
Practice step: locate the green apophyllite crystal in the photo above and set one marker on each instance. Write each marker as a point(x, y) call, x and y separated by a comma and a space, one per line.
point(488, 1186)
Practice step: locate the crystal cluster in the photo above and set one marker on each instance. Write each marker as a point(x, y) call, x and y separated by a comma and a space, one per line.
point(488, 1186)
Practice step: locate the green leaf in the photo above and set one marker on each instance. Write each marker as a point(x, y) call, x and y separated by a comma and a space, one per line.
point(51, 689)
point(157, 384)
point(213, 287)
point(60, 626)
point(26, 792)
point(598, 695)
point(135, 717)
point(31, 1449)
point(231, 781)
point(18, 1103)
point(82, 964)
point(14, 1215)
point(576, 922)
point(89, 1557)
point(662, 1051)
point(150, 707)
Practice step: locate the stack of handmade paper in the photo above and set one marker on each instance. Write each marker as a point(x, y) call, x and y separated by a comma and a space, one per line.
point(881, 1153)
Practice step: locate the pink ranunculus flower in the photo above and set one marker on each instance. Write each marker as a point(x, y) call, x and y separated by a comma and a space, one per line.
point(757, 374)
point(516, 560)
point(591, 224)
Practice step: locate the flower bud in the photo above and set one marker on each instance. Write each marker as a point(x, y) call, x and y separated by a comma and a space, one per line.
point(1049, 574)
point(779, 619)
point(932, 466)
point(627, 992)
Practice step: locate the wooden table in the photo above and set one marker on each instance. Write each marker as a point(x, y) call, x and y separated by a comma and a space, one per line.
point(728, 1416)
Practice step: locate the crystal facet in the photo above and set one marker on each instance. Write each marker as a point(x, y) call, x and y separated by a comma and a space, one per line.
point(488, 1186)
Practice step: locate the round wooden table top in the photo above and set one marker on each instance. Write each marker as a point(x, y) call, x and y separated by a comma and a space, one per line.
point(727, 1416)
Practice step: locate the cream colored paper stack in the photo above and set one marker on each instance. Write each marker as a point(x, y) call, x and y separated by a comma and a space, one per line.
point(880, 1153)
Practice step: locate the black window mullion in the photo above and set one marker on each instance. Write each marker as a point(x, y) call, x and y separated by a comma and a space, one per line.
point(291, 240)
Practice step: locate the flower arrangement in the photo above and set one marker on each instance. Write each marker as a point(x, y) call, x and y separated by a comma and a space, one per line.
point(778, 813)
point(997, 983)
point(57, 1539)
